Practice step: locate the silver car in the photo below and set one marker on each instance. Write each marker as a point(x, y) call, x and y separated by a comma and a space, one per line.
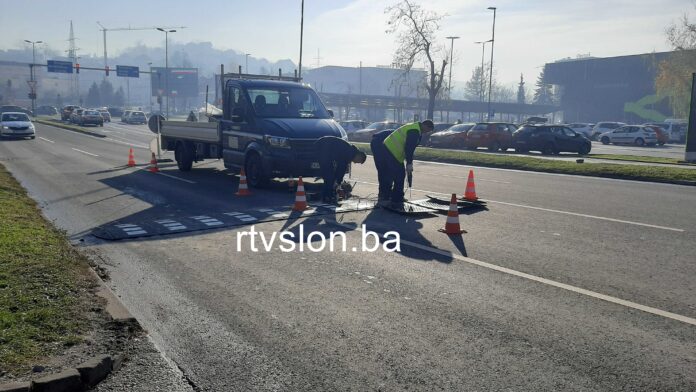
point(16, 124)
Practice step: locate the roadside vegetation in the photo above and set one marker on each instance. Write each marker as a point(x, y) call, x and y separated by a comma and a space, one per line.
point(44, 283)
point(675, 175)
point(638, 158)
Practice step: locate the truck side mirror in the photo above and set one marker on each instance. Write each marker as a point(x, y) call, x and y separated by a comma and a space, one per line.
point(238, 115)
point(331, 113)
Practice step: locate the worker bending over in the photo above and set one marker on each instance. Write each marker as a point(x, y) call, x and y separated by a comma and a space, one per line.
point(390, 150)
point(335, 154)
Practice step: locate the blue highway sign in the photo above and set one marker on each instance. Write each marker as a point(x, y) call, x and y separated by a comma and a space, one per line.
point(60, 66)
point(127, 71)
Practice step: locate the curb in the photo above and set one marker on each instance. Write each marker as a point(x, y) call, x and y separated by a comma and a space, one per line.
point(94, 370)
point(69, 128)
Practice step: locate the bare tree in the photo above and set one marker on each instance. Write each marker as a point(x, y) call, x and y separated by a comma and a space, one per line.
point(415, 29)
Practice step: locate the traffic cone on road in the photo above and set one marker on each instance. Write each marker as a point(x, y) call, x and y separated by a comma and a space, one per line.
point(452, 224)
point(153, 164)
point(243, 188)
point(300, 197)
point(131, 158)
point(470, 193)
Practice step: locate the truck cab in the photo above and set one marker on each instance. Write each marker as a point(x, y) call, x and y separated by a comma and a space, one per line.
point(268, 127)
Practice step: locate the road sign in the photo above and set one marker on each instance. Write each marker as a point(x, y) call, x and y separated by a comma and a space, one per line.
point(59, 66)
point(127, 71)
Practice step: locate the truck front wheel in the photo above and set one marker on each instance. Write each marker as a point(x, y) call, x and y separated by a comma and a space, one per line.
point(253, 168)
point(184, 157)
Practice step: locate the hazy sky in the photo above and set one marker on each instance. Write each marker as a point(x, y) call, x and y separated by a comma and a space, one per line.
point(528, 33)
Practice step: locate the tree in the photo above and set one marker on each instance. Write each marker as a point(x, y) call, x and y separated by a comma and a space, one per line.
point(673, 78)
point(476, 87)
point(521, 93)
point(106, 92)
point(415, 29)
point(93, 98)
point(543, 94)
point(119, 98)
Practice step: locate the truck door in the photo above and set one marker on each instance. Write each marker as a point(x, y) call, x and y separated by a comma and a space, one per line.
point(236, 126)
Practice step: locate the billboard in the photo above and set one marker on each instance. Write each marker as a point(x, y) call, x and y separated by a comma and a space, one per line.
point(183, 82)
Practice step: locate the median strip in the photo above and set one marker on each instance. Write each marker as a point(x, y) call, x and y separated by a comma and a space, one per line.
point(74, 128)
point(663, 174)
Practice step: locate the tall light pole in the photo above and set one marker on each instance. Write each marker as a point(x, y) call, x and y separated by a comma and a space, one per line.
point(31, 73)
point(482, 92)
point(246, 62)
point(150, 97)
point(299, 74)
point(490, 81)
point(449, 83)
point(166, 63)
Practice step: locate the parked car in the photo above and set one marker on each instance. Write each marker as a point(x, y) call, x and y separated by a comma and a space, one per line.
point(66, 112)
point(630, 134)
point(676, 129)
point(16, 109)
point(492, 135)
point(91, 117)
point(115, 112)
point(661, 133)
point(105, 114)
point(353, 125)
point(16, 124)
point(75, 115)
point(46, 110)
point(453, 137)
point(604, 126)
point(550, 139)
point(584, 128)
point(136, 117)
point(437, 127)
point(365, 135)
point(125, 114)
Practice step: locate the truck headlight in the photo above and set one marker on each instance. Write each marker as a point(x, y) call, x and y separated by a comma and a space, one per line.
point(277, 142)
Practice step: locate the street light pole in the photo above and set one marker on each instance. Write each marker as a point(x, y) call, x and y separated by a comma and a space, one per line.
point(31, 74)
point(449, 83)
point(246, 62)
point(482, 91)
point(490, 76)
point(299, 74)
point(166, 63)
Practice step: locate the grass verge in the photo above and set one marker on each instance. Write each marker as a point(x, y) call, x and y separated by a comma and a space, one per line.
point(57, 123)
point(673, 175)
point(43, 282)
point(638, 158)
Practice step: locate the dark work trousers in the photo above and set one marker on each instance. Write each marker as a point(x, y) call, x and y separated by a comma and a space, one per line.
point(397, 176)
point(332, 174)
point(380, 154)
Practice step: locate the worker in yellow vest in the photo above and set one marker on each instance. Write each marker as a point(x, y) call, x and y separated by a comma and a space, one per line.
point(391, 154)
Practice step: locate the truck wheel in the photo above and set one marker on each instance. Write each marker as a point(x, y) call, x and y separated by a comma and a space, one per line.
point(253, 169)
point(184, 157)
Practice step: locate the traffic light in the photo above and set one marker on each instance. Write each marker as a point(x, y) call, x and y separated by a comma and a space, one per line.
point(77, 67)
point(107, 70)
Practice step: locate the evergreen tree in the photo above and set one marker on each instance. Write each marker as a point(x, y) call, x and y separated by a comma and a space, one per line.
point(543, 94)
point(93, 99)
point(119, 98)
point(521, 93)
point(106, 92)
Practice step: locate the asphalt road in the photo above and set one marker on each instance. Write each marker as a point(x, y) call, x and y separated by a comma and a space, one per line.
point(565, 283)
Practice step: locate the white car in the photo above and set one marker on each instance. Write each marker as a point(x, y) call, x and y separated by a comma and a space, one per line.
point(583, 128)
point(604, 126)
point(630, 134)
point(16, 124)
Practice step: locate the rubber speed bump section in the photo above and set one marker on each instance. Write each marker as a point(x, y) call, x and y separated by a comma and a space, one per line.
point(183, 224)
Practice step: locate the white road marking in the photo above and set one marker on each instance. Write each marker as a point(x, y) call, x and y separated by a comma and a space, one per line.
point(550, 210)
point(43, 138)
point(465, 177)
point(85, 152)
point(136, 232)
point(549, 282)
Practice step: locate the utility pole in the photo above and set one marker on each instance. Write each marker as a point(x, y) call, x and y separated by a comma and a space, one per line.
point(32, 75)
point(246, 62)
point(299, 74)
point(482, 91)
point(166, 63)
point(360, 79)
point(490, 81)
point(449, 83)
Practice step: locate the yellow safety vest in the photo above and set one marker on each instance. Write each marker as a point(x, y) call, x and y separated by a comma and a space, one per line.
point(396, 142)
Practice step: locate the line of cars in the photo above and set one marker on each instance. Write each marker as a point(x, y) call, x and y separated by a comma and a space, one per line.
point(670, 130)
point(81, 116)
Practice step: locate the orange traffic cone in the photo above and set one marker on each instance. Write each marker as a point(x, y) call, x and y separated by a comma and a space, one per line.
point(243, 188)
point(470, 193)
point(300, 197)
point(131, 158)
point(153, 164)
point(452, 223)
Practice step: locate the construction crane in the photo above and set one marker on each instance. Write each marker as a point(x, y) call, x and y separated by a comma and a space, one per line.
point(104, 30)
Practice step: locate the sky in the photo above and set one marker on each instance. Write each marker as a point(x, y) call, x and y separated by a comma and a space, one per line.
point(529, 33)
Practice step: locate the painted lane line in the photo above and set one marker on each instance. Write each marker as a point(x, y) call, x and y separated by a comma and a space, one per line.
point(548, 282)
point(587, 216)
point(549, 210)
point(44, 139)
point(85, 152)
point(464, 178)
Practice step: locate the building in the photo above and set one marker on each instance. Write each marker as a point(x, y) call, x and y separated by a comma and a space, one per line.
point(609, 89)
point(367, 81)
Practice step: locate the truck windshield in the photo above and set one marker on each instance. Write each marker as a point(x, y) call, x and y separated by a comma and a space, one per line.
point(287, 102)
